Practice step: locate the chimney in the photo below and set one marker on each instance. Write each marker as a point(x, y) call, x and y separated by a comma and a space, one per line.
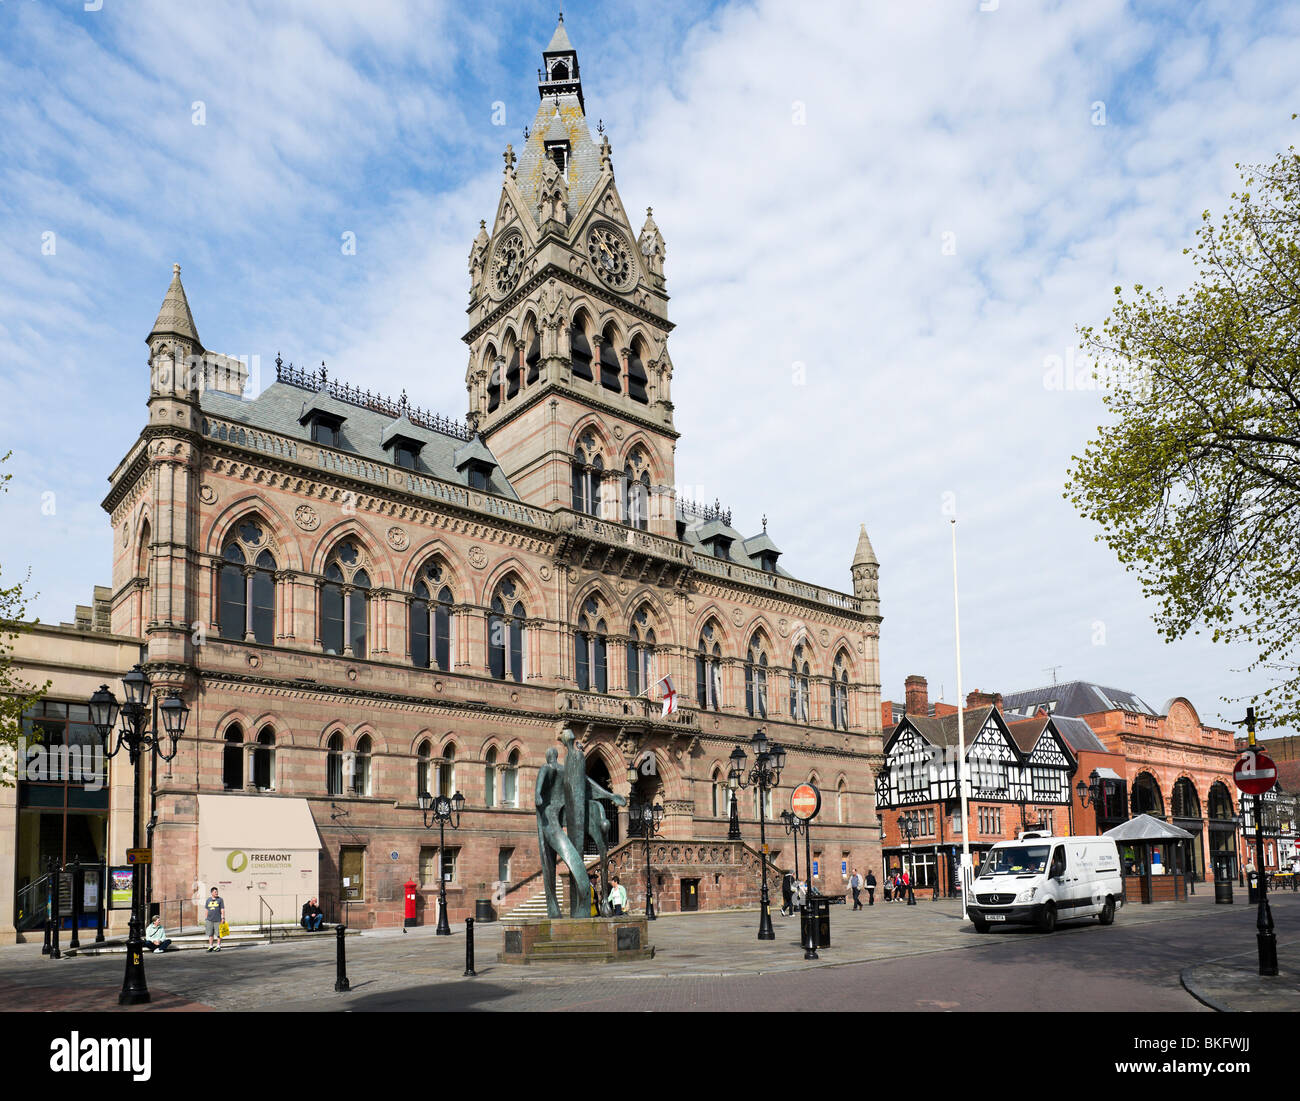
point(918, 695)
point(984, 699)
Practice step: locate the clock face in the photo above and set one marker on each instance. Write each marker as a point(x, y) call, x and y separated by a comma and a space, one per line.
point(611, 257)
point(507, 261)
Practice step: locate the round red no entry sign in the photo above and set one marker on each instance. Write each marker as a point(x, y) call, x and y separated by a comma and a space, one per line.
point(1255, 773)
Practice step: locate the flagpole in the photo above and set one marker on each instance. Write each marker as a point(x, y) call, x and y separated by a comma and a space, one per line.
point(961, 734)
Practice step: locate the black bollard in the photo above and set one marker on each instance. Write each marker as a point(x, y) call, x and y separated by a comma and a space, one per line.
point(56, 877)
point(78, 885)
point(469, 948)
point(341, 984)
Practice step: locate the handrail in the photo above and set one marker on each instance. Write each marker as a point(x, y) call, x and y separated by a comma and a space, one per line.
point(270, 918)
point(30, 904)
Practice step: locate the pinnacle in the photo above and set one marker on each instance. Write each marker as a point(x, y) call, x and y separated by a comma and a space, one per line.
point(865, 555)
point(174, 317)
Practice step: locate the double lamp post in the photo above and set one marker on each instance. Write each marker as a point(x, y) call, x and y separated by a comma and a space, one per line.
point(764, 774)
point(137, 736)
point(446, 812)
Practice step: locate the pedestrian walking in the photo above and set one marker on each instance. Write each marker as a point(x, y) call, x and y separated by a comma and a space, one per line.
point(213, 920)
point(855, 883)
point(787, 894)
point(871, 887)
point(618, 897)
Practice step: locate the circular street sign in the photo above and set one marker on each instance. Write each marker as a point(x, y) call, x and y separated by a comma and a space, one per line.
point(1255, 773)
point(805, 801)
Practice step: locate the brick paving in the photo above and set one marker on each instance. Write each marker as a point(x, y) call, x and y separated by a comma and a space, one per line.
point(921, 958)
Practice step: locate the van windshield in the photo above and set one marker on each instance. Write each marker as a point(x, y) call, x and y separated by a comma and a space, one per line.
point(1016, 860)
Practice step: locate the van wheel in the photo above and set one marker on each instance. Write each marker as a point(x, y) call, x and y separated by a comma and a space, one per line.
point(1047, 922)
point(1107, 915)
point(981, 926)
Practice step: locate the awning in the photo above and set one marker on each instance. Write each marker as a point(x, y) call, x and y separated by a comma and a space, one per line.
point(256, 822)
point(1109, 774)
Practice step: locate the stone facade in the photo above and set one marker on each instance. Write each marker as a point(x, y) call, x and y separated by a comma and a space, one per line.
point(523, 560)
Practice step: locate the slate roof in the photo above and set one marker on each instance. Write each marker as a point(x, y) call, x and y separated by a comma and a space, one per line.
point(584, 153)
point(1288, 774)
point(1078, 735)
point(943, 731)
point(757, 544)
point(279, 407)
point(745, 552)
point(174, 317)
point(1075, 698)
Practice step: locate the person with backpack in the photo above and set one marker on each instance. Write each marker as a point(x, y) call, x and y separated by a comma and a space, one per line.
point(855, 884)
point(871, 887)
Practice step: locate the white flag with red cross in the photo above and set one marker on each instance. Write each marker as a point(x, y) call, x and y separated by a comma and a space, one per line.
point(669, 697)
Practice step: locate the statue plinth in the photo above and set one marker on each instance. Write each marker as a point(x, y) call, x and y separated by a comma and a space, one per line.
point(576, 940)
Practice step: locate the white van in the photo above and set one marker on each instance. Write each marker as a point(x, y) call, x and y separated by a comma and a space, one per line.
point(1040, 880)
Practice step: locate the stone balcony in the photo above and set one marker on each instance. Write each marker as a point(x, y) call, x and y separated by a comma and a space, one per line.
point(589, 543)
point(597, 709)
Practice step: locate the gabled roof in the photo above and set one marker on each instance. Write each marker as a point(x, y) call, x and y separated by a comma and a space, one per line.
point(943, 731)
point(1074, 698)
point(476, 451)
point(324, 402)
point(1288, 774)
point(400, 429)
point(1026, 733)
point(1078, 735)
point(760, 544)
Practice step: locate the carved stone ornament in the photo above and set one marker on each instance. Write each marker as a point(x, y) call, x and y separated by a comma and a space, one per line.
point(398, 539)
point(622, 588)
point(825, 636)
point(618, 431)
point(544, 573)
point(478, 557)
point(207, 494)
point(737, 616)
point(305, 517)
point(573, 576)
point(783, 627)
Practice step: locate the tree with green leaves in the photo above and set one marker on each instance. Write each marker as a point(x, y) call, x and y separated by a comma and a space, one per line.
point(16, 695)
point(1195, 483)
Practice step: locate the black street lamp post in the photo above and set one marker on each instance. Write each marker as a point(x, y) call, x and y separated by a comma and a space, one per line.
point(733, 826)
point(794, 825)
point(1090, 795)
point(765, 774)
point(649, 817)
point(446, 812)
point(909, 827)
point(1265, 938)
point(137, 737)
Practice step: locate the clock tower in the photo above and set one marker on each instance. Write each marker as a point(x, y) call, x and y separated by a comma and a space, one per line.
point(569, 376)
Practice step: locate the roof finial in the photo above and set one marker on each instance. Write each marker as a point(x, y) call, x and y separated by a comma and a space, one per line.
point(765, 521)
point(561, 17)
point(176, 269)
point(509, 157)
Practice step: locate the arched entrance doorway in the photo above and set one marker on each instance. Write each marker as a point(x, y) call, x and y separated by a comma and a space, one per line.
point(1146, 796)
point(598, 772)
point(1187, 816)
point(1223, 832)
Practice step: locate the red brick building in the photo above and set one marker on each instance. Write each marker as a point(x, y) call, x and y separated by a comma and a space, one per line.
point(1020, 775)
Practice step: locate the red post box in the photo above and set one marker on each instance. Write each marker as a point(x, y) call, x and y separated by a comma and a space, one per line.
point(410, 902)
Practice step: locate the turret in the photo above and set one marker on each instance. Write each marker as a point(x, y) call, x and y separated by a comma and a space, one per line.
point(866, 574)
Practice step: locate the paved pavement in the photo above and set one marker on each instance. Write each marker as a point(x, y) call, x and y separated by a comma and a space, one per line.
point(886, 957)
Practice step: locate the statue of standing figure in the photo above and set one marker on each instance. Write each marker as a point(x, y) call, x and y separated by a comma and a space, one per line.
point(569, 811)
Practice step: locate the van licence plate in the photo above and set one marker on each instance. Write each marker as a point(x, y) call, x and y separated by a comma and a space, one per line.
point(995, 917)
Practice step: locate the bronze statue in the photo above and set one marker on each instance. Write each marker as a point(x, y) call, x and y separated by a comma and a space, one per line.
point(568, 812)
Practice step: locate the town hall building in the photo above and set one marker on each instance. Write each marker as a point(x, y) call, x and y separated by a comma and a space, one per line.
point(362, 601)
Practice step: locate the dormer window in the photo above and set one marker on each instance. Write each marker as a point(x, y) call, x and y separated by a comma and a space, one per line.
point(558, 151)
point(479, 473)
point(767, 562)
point(325, 430)
point(323, 417)
point(721, 548)
point(404, 455)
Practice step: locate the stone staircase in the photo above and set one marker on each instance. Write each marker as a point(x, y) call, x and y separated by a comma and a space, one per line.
point(195, 939)
point(535, 905)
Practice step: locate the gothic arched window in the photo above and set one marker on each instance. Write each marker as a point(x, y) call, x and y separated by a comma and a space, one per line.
point(431, 620)
point(640, 654)
point(232, 759)
point(756, 678)
point(344, 599)
point(611, 371)
point(533, 356)
point(361, 766)
point(588, 470)
point(423, 768)
point(247, 600)
point(591, 651)
point(492, 360)
point(506, 633)
point(512, 353)
point(510, 780)
point(799, 671)
point(490, 778)
point(445, 778)
point(708, 671)
point(636, 376)
point(580, 349)
point(334, 765)
point(264, 760)
point(636, 491)
point(840, 694)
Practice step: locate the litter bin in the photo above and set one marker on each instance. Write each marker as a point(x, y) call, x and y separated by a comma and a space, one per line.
point(818, 911)
point(1252, 887)
point(1223, 891)
point(483, 910)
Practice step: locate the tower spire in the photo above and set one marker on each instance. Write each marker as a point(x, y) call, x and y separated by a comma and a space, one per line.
point(559, 72)
point(174, 318)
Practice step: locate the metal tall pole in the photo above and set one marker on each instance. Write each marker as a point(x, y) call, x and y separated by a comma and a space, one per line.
point(961, 729)
point(1264, 936)
point(765, 930)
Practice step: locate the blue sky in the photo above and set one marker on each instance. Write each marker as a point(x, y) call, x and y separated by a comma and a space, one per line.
point(882, 221)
